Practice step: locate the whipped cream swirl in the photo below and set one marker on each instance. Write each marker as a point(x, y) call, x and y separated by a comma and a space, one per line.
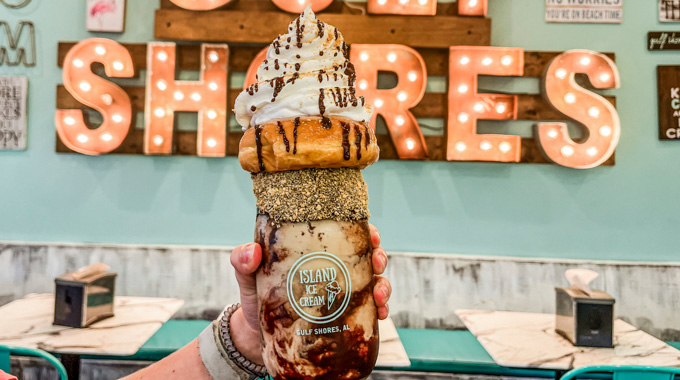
point(307, 72)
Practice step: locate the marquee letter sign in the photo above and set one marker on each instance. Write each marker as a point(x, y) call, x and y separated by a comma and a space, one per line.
point(200, 5)
point(589, 109)
point(403, 7)
point(472, 7)
point(165, 95)
point(96, 92)
point(466, 106)
point(393, 104)
point(297, 6)
point(405, 45)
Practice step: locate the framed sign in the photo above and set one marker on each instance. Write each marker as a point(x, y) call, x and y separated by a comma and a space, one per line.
point(668, 79)
point(669, 10)
point(105, 16)
point(13, 112)
point(603, 12)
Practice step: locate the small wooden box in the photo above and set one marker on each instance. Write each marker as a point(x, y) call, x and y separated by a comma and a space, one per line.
point(83, 298)
point(586, 320)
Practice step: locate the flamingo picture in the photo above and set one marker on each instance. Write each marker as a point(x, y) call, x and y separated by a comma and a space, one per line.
point(102, 11)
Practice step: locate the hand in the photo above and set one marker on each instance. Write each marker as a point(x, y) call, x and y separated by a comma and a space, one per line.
point(245, 324)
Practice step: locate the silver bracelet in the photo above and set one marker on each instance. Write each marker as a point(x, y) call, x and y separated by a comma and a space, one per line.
point(234, 354)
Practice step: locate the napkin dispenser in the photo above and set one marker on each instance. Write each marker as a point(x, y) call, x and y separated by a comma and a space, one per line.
point(584, 316)
point(84, 296)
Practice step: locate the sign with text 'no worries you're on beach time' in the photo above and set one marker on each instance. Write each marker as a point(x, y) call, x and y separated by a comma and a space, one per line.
point(584, 11)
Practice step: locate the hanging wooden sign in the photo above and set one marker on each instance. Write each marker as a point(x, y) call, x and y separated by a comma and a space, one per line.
point(663, 41)
point(13, 91)
point(669, 10)
point(400, 44)
point(668, 86)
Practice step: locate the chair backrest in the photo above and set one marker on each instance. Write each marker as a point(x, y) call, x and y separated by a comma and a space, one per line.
point(6, 351)
point(4, 359)
point(626, 372)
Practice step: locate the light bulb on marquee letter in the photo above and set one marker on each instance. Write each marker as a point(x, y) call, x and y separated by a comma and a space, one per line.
point(393, 104)
point(96, 92)
point(473, 7)
point(587, 108)
point(297, 6)
point(401, 7)
point(165, 95)
point(200, 5)
point(466, 106)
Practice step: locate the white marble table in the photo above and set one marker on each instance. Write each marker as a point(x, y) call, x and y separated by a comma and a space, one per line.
point(392, 352)
point(529, 340)
point(27, 322)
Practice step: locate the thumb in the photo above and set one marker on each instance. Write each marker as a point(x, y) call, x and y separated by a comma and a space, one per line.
point(246, 259)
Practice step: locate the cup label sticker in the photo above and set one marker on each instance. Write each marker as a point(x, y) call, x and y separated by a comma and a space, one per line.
point(319, 287)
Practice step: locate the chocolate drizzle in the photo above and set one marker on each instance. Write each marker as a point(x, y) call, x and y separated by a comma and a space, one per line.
point(345, 50)
point(297, 66)
point(368, 136)
point(258, 143)
point(278, 83)
point(298, 32)
point(351, 74)
point(357, 141)
point(283, 133)
point(322, 106)
point(345, 140)
point(293, 78)
point(320, 25)
point(326, 122)
point(296, 123)
point(253, 108)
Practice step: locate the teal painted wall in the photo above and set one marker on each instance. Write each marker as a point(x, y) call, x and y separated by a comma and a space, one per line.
point(628, 212)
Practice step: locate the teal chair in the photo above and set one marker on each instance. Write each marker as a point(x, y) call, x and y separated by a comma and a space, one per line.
point(625, 372)
point(6, 351)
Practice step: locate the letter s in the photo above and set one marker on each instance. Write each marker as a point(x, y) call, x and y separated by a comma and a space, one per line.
point(96, 92)
point(590, 110)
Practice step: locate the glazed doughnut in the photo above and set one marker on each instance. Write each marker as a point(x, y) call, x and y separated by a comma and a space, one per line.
point(309, 142)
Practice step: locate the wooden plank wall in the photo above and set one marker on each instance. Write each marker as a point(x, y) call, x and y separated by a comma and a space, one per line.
point(240, 24)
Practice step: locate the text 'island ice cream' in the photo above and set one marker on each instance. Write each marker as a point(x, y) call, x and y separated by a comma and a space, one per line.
point(306, 138)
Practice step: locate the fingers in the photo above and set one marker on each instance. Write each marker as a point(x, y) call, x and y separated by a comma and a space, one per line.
point(383, 312)
point(379, 260)
point(375, 236)
point(381, 291)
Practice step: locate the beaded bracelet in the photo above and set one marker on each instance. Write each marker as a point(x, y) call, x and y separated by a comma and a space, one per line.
point(234, 354)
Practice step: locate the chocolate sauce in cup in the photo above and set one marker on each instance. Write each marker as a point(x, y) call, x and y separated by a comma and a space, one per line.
point(315, 295)
point(315, 284)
